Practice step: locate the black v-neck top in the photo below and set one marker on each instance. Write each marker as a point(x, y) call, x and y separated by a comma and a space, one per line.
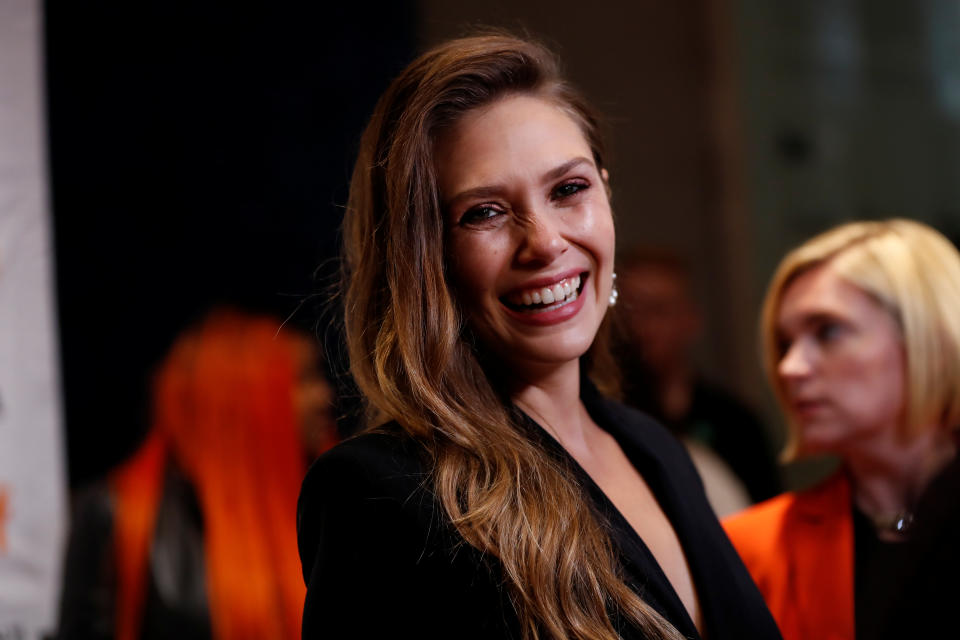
point(380, 559)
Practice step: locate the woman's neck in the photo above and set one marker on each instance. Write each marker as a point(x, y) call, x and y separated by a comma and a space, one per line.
point(889, 477)
point(552, 398)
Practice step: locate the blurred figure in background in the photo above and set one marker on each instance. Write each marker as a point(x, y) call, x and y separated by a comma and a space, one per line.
point(861, 336)
point(195, 536)
point(661, 324)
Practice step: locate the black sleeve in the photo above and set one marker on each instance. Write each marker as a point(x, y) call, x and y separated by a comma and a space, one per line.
point(381, 561)
point(88, 598)
point(359, 538)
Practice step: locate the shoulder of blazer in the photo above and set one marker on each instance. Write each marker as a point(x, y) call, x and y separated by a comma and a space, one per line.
point(372, 475)
point(635, 426)
point(383, 463)
point(643, 434)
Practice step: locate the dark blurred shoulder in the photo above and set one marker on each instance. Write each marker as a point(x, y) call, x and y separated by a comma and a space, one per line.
point(374, 482)
point(87, 599)
point(375, 464)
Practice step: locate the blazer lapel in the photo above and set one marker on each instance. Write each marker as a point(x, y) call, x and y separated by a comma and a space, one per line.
point(820, 546)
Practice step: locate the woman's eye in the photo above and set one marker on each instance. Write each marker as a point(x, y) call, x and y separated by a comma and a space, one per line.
point(479, 215)
point(569, 188)
point(829, 331)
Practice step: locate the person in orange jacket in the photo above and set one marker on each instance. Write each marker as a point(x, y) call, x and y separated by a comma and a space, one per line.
point(194, 537)
point(861, 338)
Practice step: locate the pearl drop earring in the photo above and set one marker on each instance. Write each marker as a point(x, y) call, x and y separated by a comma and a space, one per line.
point(614, 293)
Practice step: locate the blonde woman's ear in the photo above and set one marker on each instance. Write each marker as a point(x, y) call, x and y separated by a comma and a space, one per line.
point(605, 175)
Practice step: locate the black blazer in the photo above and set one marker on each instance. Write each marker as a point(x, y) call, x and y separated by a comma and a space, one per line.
point(380, 560)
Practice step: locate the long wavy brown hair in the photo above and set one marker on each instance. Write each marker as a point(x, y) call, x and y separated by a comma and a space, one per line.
point(412, 356)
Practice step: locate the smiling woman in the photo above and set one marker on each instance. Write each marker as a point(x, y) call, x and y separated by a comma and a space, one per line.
point(530, 235)
point(496, 494)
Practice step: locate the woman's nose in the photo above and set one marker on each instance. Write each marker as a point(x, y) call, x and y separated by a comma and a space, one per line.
point(795, 363)
point(542, 241)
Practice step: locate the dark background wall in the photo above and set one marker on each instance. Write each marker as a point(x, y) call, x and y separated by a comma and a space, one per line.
point(200, 154)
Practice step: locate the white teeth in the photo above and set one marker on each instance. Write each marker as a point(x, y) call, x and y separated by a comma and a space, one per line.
point(559, 292)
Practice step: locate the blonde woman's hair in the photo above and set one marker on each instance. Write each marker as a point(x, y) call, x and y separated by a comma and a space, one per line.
point(412, 357)
point(912, 271)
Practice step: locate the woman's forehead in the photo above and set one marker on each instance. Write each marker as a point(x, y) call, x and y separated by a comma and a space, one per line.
point(517, 134)
point(822, 292)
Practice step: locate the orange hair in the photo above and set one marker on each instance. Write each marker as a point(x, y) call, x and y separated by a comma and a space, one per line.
point(223, 408)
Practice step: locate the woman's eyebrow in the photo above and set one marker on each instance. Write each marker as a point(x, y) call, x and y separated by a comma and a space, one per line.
point(559, 171)
point(819, 317)
point(476, 192)
point(810, 320)
point(487, 191)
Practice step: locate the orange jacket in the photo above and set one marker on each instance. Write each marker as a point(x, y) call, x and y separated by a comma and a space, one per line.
point(799, 549)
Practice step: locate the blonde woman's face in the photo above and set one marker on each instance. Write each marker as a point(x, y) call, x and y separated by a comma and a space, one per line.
point(842, 365)
point(530, 233)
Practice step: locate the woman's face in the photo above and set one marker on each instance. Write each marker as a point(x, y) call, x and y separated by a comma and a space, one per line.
point(530, 238)
point(842, 367)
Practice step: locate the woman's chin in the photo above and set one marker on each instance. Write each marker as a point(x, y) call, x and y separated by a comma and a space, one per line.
point(521, 359)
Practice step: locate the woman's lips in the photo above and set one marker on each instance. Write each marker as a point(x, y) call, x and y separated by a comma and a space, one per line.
point(557, 302)
point(536, 298)
point(808, 408)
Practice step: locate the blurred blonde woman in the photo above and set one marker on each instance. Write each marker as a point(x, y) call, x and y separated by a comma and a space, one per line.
point(861, 336)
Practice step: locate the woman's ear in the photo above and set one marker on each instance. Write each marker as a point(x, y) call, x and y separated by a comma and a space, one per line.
point(605, 176)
